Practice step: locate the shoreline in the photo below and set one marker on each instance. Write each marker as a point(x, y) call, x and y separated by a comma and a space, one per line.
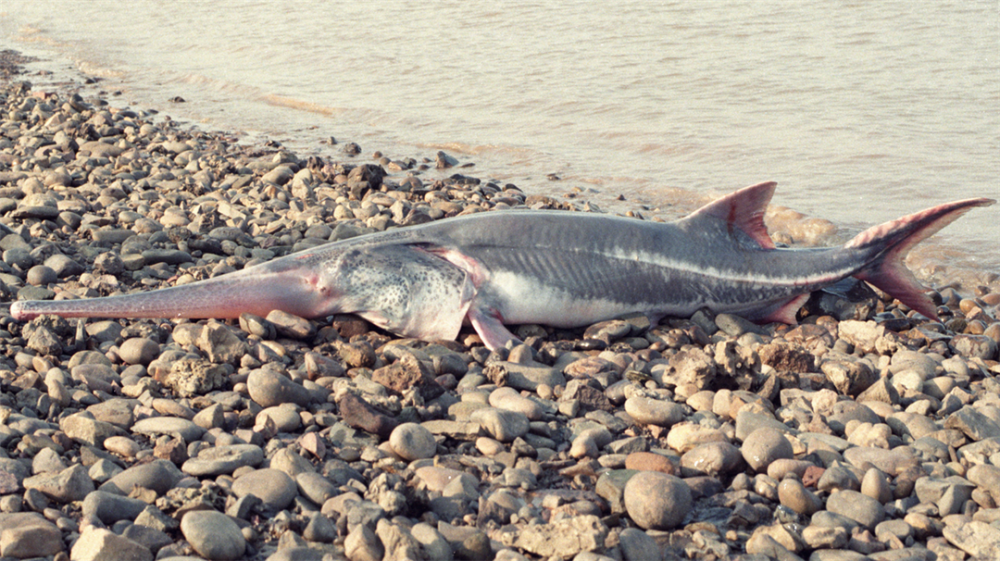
point(955, 257)
point(284, 438)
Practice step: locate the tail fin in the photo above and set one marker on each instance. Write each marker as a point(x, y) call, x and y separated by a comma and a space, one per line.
point(894, 239)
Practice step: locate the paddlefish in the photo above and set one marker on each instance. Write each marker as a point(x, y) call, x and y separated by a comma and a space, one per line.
point(555, 268)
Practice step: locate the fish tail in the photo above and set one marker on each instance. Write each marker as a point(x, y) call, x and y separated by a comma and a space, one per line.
point(890, 242)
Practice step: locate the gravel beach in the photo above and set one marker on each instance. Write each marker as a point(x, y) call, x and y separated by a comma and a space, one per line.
point(865, 432)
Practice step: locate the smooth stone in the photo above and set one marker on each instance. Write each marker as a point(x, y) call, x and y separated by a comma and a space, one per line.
point(656, 500)
point(286, 417)
point(818, 537)
point(749, 421)
point(636, 544)
point(412, 441)
point(648, 411)
point(274, 488)
point(269, 388)
point(219, 460)
point(64, 266)
point(320, 529)
point(159, 475)
point(210, 417)
point(876, 485)
point(438, 478)
point(315, 487)
point(138, 350)
point(838, 476)
point(170, 426)
point(432, 542)
point(151, 538)
point(863, 509)
point(649, 461)
point(784, 466)
point(713, 458)
point(41, 275)
point(502, 425)
point(685, 436)
point(292, 326)
point(794, 495)
point(213, 535)
point(510, 400)
point(905, 359)
point(111, 507)
point(764, 446)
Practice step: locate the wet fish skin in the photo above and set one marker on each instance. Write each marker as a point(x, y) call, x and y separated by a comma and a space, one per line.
point(564, 269)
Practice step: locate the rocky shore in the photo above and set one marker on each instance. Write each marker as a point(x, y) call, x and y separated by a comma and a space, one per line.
point(865, 432)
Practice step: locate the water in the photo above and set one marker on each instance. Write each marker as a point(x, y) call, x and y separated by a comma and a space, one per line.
point(861, 111)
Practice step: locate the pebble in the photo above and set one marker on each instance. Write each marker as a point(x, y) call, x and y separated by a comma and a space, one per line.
point(155, 426)
point(649, 411)
point(158, 475)
point(139, 350)
point(863, 509)
point(269, 388)
point(219, 460)
point(502, 425)
point(110, 507)
point(794, 495)
point(24, 535)
point(274, 488)
point(764, 446)
point(213, 535)
point(649, 461)
point(657, 500)
point(412, 442)
point(98, 544)
point(304, 439)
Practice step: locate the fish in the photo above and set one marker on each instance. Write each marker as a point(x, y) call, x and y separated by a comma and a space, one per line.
point(556, 268)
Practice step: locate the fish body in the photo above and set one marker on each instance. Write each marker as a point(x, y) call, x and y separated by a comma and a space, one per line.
point(564, 269)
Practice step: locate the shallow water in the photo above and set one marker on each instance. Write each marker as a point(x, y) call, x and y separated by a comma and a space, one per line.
point(861, 111)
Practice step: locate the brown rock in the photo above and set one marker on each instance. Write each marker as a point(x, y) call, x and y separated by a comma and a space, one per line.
point(848, 376)
point(359, 414)
point(786, 358)
point(649, 461)
point(407, 373)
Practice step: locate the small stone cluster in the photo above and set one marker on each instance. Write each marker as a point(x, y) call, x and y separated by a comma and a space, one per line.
point(865, 432)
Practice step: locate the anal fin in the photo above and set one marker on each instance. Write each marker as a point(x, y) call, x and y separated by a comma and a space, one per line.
point(784, 312)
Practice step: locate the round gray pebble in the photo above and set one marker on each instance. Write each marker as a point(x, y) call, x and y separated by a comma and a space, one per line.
point(657, 501)
point(412, 442)
point(275, 488)
point(763, 446)
point(213, 535)
point(138, 350)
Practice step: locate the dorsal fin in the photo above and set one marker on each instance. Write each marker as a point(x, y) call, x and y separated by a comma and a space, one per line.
point(743, 210)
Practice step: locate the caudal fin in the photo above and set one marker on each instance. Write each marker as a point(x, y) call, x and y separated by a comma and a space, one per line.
point(893, 240)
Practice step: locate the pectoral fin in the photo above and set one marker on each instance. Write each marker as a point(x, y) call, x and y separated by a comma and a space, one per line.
point(405, 290)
